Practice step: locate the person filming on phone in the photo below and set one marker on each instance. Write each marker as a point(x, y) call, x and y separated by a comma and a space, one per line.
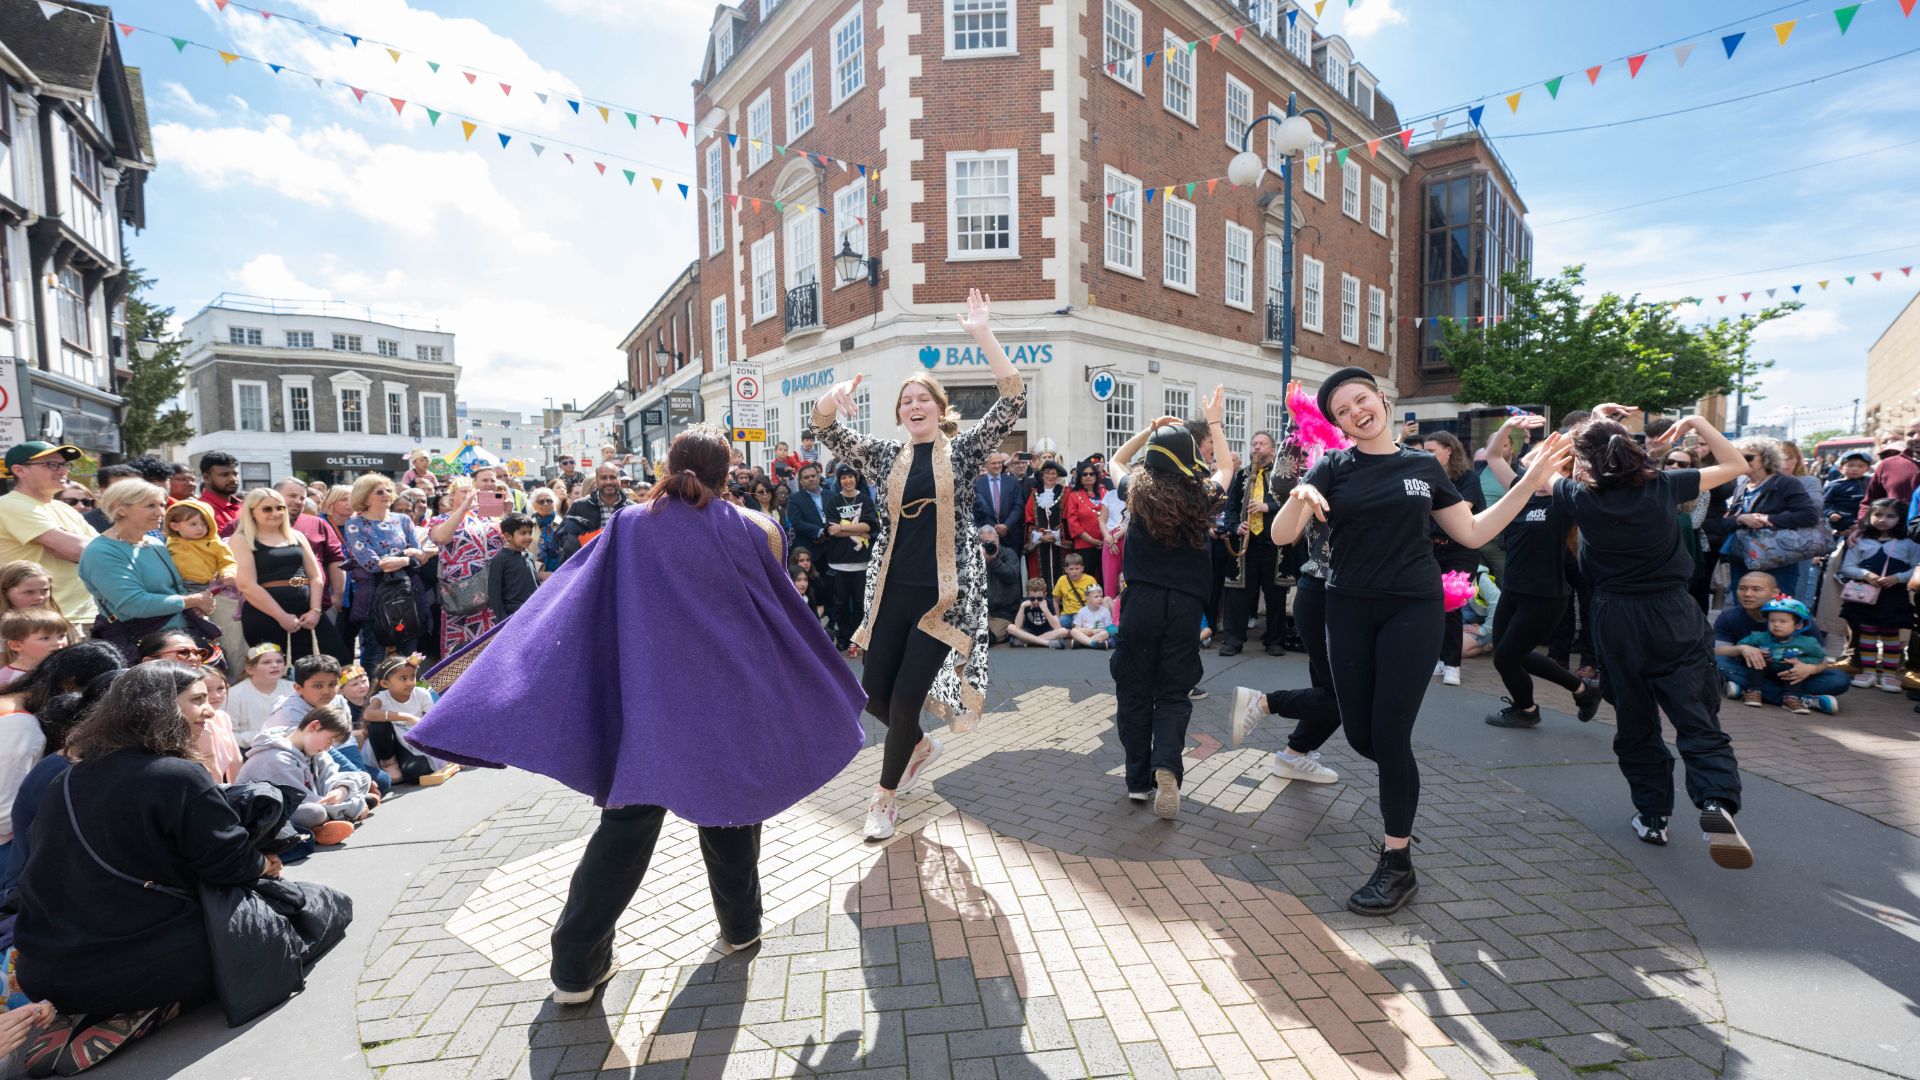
point(468, 536)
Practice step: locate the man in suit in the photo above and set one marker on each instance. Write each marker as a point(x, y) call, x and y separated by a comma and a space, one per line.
point(998, 501)
point(1254, 499)
point(807, 510)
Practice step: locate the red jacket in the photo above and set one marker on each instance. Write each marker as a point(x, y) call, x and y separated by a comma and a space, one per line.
point(226, 512)
point(1894, 477)
point(1082, 516)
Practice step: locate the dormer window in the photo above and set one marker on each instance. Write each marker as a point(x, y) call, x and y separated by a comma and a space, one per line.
point(1336, 72)
point(722, 45)
point(1363, 95)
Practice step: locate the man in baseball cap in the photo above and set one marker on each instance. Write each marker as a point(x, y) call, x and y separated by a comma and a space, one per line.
point(36, 525)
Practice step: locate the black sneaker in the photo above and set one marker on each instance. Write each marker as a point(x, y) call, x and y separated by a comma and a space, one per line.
point(1276, 650)
point(1391, 886)
point(1724, 842)
point(1651, 828)
point(1511, 717)
point(1586, 700)
point(1230, 649)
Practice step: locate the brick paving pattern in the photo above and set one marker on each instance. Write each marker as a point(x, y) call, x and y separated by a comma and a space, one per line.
point(1030, 921)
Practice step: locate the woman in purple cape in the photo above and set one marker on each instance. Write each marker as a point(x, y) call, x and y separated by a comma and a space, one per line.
point(618, 678)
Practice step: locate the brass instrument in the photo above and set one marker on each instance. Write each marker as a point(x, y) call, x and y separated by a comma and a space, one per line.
point(1236, 541)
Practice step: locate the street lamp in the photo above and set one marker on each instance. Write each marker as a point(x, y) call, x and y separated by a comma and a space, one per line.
point(1292, 134)
point(850, 263)
point(662, 359)
point(148, 347)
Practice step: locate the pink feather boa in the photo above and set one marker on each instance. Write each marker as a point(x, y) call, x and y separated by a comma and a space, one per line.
point(1457, 586)
point(1313, 432)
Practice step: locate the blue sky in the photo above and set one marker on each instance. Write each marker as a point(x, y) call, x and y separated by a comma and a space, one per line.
point(270, 186)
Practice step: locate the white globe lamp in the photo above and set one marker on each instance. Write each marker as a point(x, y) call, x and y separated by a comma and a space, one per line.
point(1245, 169)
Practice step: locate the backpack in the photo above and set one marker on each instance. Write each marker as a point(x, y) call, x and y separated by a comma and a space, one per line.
point(396, 619)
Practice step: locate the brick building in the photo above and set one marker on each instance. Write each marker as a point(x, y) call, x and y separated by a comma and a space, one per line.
point(663, 368)
point(992, 133)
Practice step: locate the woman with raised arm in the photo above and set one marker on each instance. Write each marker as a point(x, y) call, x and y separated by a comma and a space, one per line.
point(1384, 605)
point(1654, 644)
point(925, 634)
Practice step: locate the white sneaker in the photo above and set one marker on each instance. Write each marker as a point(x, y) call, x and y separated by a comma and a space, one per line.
point(1439, 668)
point(1249, 706)
point(1863, 680)
point(1450, 675)
point(1301, 767)
point(581, 997)
point(1166, 793)
point(920, 760)
point(882, 813)
point(1890, 682)
point(1734, 692)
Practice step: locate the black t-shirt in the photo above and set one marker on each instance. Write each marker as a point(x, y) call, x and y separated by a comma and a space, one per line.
point(1536, 547)
point(1470, 493)
point(1147, 561)
point(916, 532)
point(1733, 624)
point(1379, 506)
point(1630, 538)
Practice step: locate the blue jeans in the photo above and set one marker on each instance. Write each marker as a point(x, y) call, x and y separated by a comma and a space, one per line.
point(1772, 688)
point(348, 757)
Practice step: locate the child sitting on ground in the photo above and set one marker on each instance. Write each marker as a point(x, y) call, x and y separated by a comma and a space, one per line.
point(1034, 623)
point(512, 573)
point(297, 757)
point(391, 713)
point(251, 700)
point(1094, 626)
point(215, 744)
point(204, 560)
point(30, 636)
point(1783, 644)
point(316, 682)
point(1070, 592)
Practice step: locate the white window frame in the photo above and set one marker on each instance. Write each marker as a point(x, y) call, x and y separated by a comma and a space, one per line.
point(1124, 56)
point(800, 270)
point(1313, 294)
point(1178, 224)
point(347, 342)
point(429, 354)
point(767, 8)
point(800, 105)
point(1176, 401)
point(1376, 318)
point(340, 390)
point(1012, 250)
point(1180, 76)
point(1336, 72)
point(723, 44)
point(981, 8)
point(1349, 309)
point(716, 194)
point(1350, 176)
point(240, 412)
point(1273, 252)
point(1122, 415)
point(759, 132)
point(1235, 409)
point(772, 425)
point(849, 224)
point(1244, 236)
point(389, 393)
point(1276, 418)
point(766, 267)
point(862, 421)
point(427, 428)
point(717, 318)
point(1236, 126)
point(387, 347)
point(1314, 180)
point(1127, 193)
point(248, 336)
point(851, 68)
point(289, 384)
point(1300, 39)
point(1377, 205)
point(1275, 159)
point(299, 339)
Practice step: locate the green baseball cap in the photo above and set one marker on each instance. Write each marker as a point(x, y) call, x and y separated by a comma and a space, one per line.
point(38, 451)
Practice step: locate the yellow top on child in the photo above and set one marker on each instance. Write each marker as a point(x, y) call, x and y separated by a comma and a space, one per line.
point(194, 542)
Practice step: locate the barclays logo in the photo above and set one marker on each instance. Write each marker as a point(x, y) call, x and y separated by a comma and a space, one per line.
point(812, 380)
point(933, 356)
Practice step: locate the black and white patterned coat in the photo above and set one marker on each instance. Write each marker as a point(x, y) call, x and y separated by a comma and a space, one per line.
point(958, 618)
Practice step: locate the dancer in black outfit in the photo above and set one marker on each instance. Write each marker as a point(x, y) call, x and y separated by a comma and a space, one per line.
point(1654, 645)
point(1383, 595)
point(1170, 504)
point(1533, 595)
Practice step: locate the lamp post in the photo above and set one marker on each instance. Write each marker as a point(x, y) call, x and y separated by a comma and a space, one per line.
point(1294, 133)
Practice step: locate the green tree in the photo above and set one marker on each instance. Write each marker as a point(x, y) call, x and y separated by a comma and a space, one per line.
point(1556, 349)
point(147, 421)
point(1808, 442)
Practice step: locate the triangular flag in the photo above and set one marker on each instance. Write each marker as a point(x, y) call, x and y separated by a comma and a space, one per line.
point(779, 207)
point(601, 167)
point(1824, 284)
point(733, 201)
point(574, 105)
point(228, 58)
point(1746, 296)
point(537, 149)
point(1796, 288)
point(1150, 192)
point(398, 105)
point(1849, 279)
point(318, 82)
point(1906, 8)
point(1906, 271)
point(1215, 40)
point(1237, 32)
point(1340, 154)
point(1293, 14)
point(1211, 183)
point(1406, 138)
point(1147, 62)
point(541, 95)
point(1784, 30)
point(863, 171)
point(822, 209)
point(433, 117)
point(756, 205)
point(1844, 16)
point(358, 94)
point(48, 11)
point(355, 39)
point(435, 65)
point(126, 29)
point(755, 143)
point(1109, 201)
point(1319, 7)
point(222, 4)
point(1474, 114)
point(656, 184)
point(1513, 101)
point(1313, 166)
point(781, 150)
point(1417, 320)
point(1770, 293)
point(1593, 74)
point(1876, 275)
point(633, 121)
point(395, 53)
point(470, 77)
point(507, 90)
point(1681, 52)
point(1191, 185)
point(1732, 42)
point(629, 173)
point(179, 44)
point(504, 139)
point(1553, 87)
point(1440, 126)
point(1633, 64)
point(266, 15)
point(467, 128)
point(1373, 146)
point(568, 156)
point(733, 140)
point(603, 113)
point(683, 127)
point(1723, 299)
point(683, 190)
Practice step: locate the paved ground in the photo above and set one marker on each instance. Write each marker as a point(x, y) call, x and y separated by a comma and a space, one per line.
point(1029, 921)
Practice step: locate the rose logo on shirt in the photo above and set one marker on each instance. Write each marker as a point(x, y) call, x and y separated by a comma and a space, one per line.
point(1418, 488)
point(1536, 515)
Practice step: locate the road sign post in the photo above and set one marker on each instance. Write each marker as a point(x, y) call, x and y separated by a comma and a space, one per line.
point(746, 392)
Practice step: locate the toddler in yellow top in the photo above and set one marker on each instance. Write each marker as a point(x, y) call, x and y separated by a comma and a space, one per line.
point(194, 542)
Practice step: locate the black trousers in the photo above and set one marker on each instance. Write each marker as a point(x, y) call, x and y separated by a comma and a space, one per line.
point(849, 591)
point(1157, 662)
point(1216, 595)
point(1522, 623)
point(1466, 561)
point(900, 665)
point(389, 746)
point(1575, 632)
point(1382, 650)
point(1257, 582)
point(1656, 655)
point(1315, 710)
point(614, 865)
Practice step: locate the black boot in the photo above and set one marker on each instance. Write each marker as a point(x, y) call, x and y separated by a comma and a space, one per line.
point(1390, 887)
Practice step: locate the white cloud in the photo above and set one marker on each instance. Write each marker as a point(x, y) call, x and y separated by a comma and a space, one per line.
point(178, 98)
point(1369, 17)
point(1808, 324)
point(691, 15)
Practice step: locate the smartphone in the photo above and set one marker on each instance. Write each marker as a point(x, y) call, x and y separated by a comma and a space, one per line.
point(1025, 455)
point(492, 504)
point(1409, 417)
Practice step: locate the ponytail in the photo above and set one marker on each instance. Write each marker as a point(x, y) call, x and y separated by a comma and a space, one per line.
point(684, 485)
point(1609, 458)
point(696, 467)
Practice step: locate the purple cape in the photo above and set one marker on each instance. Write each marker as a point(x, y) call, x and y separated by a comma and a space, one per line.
point(672, 663)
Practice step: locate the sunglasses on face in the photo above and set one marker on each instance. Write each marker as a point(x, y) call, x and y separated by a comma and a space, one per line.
point(181, 652)
point(78, 502)
point(1749, 457)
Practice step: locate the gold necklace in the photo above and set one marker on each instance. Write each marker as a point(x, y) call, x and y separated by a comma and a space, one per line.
point(915, 508)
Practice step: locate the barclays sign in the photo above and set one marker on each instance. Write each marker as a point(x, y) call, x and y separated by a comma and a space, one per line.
point(812, 380)
point(933, 356)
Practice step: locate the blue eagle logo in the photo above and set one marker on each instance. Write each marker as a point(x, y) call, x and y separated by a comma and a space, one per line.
point(930, 356)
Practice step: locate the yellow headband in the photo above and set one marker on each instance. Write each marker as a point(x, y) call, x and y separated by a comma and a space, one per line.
point(1185, 469)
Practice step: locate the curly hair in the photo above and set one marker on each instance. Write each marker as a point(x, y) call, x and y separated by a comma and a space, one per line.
point(1767, 450)
point(1175, 510)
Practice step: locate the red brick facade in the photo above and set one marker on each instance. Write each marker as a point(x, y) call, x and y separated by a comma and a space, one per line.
point(674, 324)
